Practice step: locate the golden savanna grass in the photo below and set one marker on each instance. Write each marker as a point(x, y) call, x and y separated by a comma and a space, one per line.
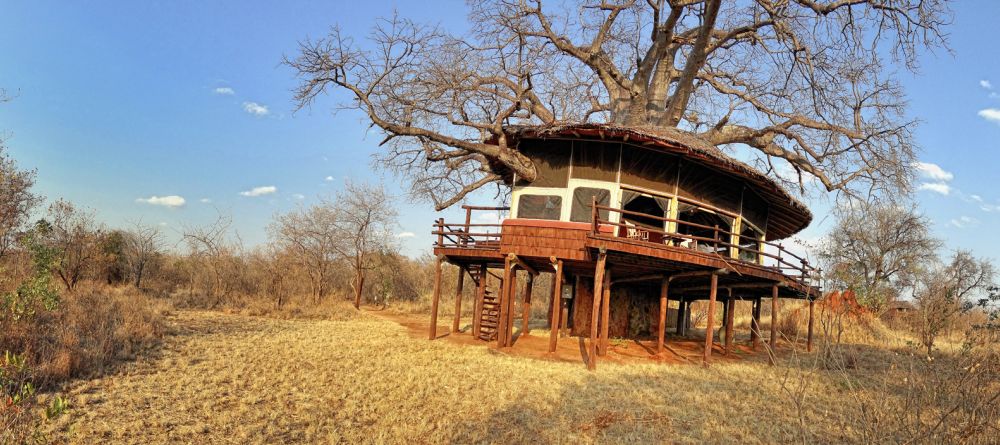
point(232, 378)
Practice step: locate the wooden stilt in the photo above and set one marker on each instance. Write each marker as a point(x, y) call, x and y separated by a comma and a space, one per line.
point(526, 307)
point(662, 327)
point(809, 334)
point(505, 286)
point(725, 316)
point(707, 356)
point(755, 324)
point(477, 313)
point(511, 301)
point(595, 311)
point(457, 323)
point(554, 308)
point(605, 315)
point(773, 342)
point(730, 309)
point(435, 298)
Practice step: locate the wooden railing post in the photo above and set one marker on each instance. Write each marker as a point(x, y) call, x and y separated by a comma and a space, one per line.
point(594, 228)
point(440, 230)
point(468, 220)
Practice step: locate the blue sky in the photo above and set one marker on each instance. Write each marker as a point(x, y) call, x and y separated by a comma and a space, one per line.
point(121, 101)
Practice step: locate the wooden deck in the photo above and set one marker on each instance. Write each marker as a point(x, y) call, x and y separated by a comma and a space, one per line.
point(538, 242)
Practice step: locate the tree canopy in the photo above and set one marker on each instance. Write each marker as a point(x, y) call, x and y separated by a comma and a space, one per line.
point(806, 84)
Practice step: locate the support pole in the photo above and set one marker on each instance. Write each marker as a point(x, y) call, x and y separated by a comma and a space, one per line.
point(662, 327)
point(477, 313)
point(809, 335)
point(504, 294)
point(457, 323)
point(436, 296)
point(511, 300)
point(605, 315)
point(526, 308)
point(554, 309)
point(773, 342)
point(595, 311)
point(755, 324)
point(725, 316)
point(730, 309)
point(707, 356)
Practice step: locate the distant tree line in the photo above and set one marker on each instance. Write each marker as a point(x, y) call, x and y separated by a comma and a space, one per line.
point(885, 254)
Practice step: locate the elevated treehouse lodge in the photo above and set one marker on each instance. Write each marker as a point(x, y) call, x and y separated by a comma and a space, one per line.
point(627, 219)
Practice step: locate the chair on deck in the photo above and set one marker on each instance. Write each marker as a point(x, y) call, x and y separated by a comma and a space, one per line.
point(633, 232)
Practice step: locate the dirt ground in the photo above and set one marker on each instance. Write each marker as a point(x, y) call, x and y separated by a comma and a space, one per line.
point(677, 350)
point(375, 378)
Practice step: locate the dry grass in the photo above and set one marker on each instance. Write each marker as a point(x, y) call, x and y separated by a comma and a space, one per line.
point(223, 378)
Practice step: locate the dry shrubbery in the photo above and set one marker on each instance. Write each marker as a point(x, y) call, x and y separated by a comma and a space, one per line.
point(89, 332)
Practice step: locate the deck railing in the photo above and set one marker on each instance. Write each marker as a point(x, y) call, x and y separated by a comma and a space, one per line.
point(469, 235)
point(766, 253)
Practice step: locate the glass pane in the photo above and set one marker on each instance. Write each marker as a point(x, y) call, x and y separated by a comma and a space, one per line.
point(539, 207)
point(583, 199)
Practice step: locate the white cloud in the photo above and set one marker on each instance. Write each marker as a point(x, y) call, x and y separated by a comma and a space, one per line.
point(255, 108)
point(934, 172)
point(225, 91)
point(976, 198)
point(172, 201)
point(990, 114)
point(936, 187)
point(299, 196)
point(260, 191)
point(986, 84)
point(205, 201)
point(163, 224)
point(328, 178)
point(964, 221)
point(405, 235)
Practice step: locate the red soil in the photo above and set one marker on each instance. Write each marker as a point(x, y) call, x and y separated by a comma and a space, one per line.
point(677, 350)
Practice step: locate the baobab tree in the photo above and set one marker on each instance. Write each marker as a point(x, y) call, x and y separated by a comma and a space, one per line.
point(806, 85)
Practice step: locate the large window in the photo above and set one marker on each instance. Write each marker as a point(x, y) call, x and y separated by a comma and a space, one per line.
point(750, 240)
point(708, 226)
point(583, 201)
point(539, 207)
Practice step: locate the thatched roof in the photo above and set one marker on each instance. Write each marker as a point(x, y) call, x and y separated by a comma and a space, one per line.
point(787, 214)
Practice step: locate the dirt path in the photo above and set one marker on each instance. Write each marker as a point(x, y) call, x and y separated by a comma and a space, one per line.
point(236, 379)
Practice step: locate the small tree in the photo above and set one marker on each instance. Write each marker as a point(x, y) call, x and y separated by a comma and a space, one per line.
point(16, 199)
point(209, 246)
point(310, 236)
point(77, 237)
point(876, 250)
point(943, 293)
point(365, 218)
point(141, 247)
